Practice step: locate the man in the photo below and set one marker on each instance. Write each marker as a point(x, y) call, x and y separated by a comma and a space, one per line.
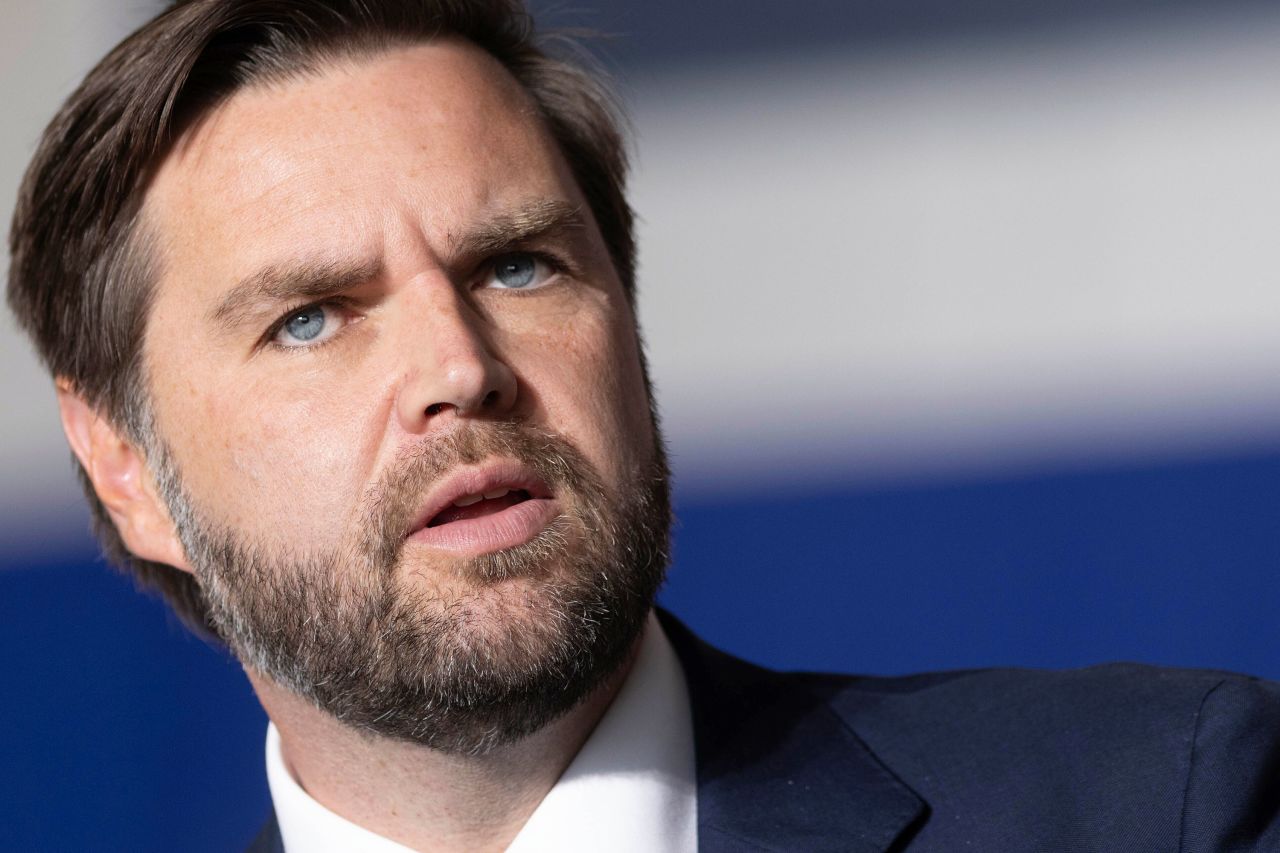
point(339, 301)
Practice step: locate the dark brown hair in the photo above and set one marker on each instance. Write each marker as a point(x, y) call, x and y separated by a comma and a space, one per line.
point(80, 274)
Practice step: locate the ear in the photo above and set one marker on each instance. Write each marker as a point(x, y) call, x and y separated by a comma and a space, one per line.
point(122, 480)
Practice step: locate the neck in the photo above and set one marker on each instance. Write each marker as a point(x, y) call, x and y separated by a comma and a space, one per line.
point(419, 797)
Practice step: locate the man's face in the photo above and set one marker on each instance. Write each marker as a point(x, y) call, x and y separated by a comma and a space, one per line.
point(382, 296)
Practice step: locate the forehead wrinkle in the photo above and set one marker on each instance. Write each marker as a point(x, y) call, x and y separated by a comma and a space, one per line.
point(217, 151)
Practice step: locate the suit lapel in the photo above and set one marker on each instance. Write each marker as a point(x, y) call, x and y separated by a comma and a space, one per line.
point(268, 839)
point(777, 769)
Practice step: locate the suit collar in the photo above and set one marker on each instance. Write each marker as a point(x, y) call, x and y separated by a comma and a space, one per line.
point(268, 839)
point(777, 769)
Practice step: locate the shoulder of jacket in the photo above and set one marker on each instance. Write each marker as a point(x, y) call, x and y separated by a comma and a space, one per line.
point(1118, 742)
point(1120, 706)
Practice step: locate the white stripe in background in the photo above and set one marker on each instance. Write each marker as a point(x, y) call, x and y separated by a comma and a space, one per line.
point(966, 255)
point(45, 50)
point(956, 255)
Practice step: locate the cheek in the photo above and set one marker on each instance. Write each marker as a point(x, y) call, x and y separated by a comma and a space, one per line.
point(629, 400)
point(633, 388)
point(589, 381)
point(281, 460)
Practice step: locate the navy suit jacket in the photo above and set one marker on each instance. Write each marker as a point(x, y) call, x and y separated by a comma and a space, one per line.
point(1112, 758)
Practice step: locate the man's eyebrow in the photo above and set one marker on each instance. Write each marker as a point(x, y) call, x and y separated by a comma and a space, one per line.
point(311, 280)
point(290, 282)
point(510, 228)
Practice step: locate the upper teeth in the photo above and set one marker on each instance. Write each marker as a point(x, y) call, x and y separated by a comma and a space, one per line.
point(468, 500)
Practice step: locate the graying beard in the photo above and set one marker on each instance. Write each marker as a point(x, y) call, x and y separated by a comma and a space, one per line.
point(399, 664)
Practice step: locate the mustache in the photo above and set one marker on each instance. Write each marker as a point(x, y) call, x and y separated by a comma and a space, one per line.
point(390, 505)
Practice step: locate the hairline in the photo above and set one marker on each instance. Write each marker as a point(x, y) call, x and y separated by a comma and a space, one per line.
point(86, 261)
point(142, 240)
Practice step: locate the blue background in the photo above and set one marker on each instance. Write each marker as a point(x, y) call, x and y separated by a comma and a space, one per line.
point(124, 733)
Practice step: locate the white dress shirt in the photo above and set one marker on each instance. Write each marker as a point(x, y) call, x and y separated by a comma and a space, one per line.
point(630, 789)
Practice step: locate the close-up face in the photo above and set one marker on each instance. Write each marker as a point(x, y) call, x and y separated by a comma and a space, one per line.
point(397, 179)
point(380, 298)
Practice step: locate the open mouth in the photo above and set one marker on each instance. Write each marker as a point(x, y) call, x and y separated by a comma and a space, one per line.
point(479, 505)
point(489, 507)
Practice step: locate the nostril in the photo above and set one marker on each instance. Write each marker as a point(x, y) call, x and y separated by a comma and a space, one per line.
point(488, 401)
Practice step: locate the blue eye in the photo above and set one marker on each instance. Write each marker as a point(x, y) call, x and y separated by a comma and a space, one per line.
point(305, 325)
point(515, 270)
point(308, 326)
point(519, 271)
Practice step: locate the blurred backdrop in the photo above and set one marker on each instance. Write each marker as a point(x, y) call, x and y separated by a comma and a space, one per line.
point(963, 319)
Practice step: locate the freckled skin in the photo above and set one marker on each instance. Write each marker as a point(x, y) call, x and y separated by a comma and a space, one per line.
point(388, 158)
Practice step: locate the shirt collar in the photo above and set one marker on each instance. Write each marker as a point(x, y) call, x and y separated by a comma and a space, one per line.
point(630, 788)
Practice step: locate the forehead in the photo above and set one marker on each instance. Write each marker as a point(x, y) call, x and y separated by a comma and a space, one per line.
point(434, 134)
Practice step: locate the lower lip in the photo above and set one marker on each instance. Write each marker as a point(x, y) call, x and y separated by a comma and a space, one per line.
point(513, 526)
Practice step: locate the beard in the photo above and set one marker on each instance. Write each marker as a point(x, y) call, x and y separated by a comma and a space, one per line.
point(480, 651)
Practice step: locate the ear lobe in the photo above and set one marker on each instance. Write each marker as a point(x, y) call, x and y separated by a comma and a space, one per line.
point(122, 480)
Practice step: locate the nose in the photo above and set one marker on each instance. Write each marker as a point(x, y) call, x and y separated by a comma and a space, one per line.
point(452, 365)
